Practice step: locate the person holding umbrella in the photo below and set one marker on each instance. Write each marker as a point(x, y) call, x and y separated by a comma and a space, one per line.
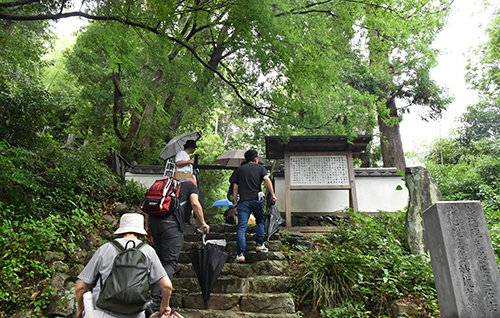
point(183, 163)
point(247, 185)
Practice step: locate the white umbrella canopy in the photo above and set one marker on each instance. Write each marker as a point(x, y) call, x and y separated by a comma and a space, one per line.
point(231, 158)
point(176, 144)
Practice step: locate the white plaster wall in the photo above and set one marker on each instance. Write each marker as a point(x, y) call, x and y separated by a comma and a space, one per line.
point(374, 194)
point(146, 179)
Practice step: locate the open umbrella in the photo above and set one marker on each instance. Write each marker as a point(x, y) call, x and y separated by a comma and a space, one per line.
point(231, 158)
point(222, 203)
point(272, 222)
point(207, 263)
point(176, 144)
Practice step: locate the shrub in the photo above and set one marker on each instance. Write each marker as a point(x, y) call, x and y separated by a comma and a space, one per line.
point(473, 175)
point(46, 197)
point(363, 266)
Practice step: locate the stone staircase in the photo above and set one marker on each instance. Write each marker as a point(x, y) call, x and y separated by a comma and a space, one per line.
point(257, 288)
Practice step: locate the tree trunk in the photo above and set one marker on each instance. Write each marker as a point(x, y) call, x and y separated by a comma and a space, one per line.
point(146, 124)
point(98, 129)
point(117, 95)
point(175, 122)
point(130, 139)
point(390, 140)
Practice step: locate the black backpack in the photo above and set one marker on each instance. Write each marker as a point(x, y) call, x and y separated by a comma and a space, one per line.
point(126, 290)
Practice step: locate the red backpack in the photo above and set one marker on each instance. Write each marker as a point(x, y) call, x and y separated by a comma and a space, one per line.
point(162, 197)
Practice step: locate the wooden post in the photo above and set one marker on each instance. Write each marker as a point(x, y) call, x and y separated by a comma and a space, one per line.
point(353, 197)
point(288, 199)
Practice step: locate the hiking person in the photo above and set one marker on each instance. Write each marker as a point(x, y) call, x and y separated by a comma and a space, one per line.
point(247, 185)
point(229, 195)
point(102, 266)
point(167, 232)
point(183, 163)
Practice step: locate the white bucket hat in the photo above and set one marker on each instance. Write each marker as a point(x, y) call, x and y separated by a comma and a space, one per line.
point(131, 223)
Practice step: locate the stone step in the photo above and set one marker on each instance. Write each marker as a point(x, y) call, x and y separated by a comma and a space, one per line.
point(269, 303)
point(219, 228)
point(250, 257)
point(265, 267)
point(197, 313)
point(258, 284)
point(232, 247)
point(229, 237)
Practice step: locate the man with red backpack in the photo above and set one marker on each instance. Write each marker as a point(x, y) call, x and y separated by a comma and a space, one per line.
point(167, 232)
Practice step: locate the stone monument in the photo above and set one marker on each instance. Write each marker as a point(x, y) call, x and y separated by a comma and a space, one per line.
point(463, 262)
point(423, 193)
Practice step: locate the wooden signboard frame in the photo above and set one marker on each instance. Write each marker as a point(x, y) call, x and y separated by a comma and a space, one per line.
point(289, 187)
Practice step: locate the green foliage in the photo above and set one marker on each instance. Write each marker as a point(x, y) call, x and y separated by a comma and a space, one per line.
point(470, 172)
point(24, 109)
point(346, 309)
point(480, 122)
point(483, 75)
point(48, 198)
point(213, 183)
point(362, 267)
point(25, 106)
point(467, 166)
point(143, 73)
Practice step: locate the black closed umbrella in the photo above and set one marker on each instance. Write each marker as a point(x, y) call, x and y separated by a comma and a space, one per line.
point(207, 262)
point(273, 221)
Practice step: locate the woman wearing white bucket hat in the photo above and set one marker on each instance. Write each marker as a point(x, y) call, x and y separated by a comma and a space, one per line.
point(100, 266)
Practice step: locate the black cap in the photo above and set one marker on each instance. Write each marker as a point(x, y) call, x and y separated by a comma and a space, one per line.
point(190, 144)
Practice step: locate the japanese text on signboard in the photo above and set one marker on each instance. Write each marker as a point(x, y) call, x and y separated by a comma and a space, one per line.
point(319, 170)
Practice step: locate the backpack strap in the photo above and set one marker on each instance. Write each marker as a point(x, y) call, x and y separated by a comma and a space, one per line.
point(140, 245)
point(182, 203)
point(121, 248)
point(116, 244)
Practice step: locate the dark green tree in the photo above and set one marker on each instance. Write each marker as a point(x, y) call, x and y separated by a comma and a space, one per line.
point(289, 67)
point(25, 106)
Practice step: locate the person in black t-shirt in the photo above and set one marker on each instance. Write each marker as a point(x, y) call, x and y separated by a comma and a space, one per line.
point(167, 232)
point(247, 185)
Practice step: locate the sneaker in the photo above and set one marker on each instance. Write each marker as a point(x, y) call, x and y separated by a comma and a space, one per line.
point(261, 248)
point(240, 258)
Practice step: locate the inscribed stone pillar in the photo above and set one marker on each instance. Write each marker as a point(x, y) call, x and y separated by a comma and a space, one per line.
point(463, 262)
point(423, 193)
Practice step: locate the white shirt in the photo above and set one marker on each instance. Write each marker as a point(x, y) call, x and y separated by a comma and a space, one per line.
point(183, 156)
point(102, 263)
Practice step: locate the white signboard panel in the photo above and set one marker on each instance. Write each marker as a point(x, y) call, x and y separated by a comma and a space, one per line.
point(319, 170)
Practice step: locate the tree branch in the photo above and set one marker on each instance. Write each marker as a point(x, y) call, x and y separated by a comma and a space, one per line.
point(39, 17)
point(17, 3)
point(126, 21)
point(308, 11)
point(302, 11)
point(335, 117)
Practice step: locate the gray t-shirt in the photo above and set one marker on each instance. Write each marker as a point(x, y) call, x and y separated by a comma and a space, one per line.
point(102, 262)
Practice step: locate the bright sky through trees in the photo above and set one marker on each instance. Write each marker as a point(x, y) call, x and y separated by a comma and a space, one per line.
point(464, 30)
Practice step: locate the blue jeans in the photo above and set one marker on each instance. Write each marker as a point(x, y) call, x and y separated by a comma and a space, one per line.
point(244, 210)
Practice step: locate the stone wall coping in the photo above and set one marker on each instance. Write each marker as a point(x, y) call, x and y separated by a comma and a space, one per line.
point(358, 172)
